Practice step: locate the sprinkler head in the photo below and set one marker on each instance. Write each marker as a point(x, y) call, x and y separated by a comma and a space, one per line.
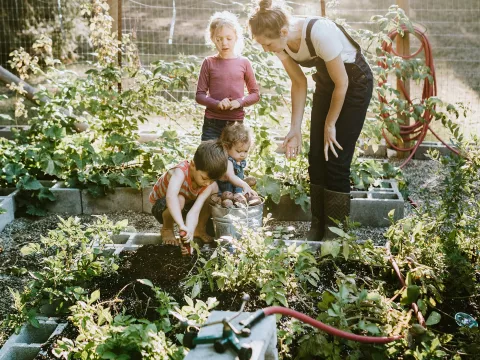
point(466, 320)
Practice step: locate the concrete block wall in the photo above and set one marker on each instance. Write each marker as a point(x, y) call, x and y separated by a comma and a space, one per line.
point(6, 130)
point(371, 207)
point(72, 201)
point(27, 343)
point(122, 199)
point(263, 339)
point(68, 200)
point(421, 153)
point(126, 241)
point(367, 207)
point(7, 202)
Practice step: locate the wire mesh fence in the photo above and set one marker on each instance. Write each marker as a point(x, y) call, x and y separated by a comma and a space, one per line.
point(163, 29)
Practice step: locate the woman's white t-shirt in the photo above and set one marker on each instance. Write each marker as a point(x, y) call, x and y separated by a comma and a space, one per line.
point(327, 39)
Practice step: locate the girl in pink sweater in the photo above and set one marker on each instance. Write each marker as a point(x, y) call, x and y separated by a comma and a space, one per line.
point(222, 79)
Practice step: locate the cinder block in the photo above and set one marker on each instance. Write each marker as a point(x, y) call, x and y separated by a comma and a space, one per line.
point(146, 136)
point(7, 217)
point(371, 207)
point(10, 193)
point(68, 200)
point(123, 199)
point(379, 150)
point(27, 343)
point(263, 339)
point(421, 153)
point(146, 205)
point(6, 131)
point(146, 239)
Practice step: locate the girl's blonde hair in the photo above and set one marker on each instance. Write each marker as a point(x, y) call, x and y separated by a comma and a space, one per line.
point(218, 21)
point(236, 133)
point(268, 19)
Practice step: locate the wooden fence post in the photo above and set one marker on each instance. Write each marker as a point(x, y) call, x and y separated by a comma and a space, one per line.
point(403, 48)
point(115, 11)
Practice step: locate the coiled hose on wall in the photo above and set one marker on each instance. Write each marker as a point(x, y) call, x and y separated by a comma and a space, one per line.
point(418, 130)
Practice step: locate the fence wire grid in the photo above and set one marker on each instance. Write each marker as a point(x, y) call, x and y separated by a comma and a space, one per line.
point(163, 29)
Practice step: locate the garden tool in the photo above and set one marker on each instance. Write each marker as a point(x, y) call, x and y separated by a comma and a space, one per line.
point(337, 206)
point(317, 226)
point(228, 337)
point(186, 247)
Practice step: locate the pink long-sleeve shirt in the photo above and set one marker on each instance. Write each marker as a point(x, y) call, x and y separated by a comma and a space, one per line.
point(226, 78)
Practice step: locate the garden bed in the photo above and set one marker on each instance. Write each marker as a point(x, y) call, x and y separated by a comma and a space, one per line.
point(164, 266)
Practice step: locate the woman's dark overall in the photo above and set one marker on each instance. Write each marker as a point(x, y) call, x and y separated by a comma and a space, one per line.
point(330, 180)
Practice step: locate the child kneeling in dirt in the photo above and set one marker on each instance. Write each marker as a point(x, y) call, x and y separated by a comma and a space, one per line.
point(184, 189)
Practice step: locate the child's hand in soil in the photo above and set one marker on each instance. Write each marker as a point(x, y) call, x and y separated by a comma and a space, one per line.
point(186, 235)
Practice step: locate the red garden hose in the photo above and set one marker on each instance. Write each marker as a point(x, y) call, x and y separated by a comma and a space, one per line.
point(413, 305)
point(418, 130)
point(260, 314)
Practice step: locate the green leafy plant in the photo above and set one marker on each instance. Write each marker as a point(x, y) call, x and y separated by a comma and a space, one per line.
point(276, 271)
point(106, 334)
point(68, 258)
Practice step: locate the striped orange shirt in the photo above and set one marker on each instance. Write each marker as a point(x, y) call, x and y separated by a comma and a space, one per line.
point(187, 191)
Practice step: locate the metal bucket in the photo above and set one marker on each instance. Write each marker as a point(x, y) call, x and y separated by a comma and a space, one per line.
point(229, 221)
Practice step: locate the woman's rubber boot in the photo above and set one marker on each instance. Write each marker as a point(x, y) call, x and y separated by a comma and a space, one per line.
point(317, 227)
point(337, 206)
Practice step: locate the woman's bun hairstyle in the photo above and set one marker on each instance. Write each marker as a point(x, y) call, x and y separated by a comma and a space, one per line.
point(264, 5)
point(268, 19)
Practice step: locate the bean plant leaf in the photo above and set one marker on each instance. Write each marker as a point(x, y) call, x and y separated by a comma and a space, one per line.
point(145, 282)
point(410, 294)
point(330, 248)
point(30, 183)
point(196, 289)
point(433, 318)
point(94, 297)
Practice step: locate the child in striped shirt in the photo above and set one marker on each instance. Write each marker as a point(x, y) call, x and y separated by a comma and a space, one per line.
point(184, 189)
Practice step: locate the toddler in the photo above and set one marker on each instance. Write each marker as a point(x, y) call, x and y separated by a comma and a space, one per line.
point(237, 141)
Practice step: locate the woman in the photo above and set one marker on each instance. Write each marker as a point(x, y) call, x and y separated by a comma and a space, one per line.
point(344, 85)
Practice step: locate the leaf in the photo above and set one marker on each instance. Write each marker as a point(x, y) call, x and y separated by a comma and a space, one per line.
point(339, 232)
point(327, 299)
point(417, 329)
point(346, 250)
point(30, 183)
point(410, 294)
point(196, 289)
point(109, 355)
point(330, 248)
point(145, 282)
point(94, 297)
point(372, 329)
point(433, 318)
point(6, 117)
point(29, 249)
